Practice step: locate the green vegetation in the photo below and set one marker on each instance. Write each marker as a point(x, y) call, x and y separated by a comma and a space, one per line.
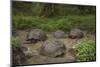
point(50, 9)
point(16, 43)
point(86, 50)
point(51, 24)
point(50, 16)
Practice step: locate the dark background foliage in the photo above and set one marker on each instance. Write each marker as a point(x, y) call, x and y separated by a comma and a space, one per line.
point(53, 16)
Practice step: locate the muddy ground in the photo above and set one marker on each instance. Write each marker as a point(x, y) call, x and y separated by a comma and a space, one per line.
point(39, 59)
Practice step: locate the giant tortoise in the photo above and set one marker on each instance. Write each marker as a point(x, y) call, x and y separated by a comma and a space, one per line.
point(59, 34)
point(76, 33)
point(35, 35)
point(53, 48)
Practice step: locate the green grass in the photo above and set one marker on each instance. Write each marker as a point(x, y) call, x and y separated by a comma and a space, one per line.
point(16, 43)
point(86, 50)
point(51, 24)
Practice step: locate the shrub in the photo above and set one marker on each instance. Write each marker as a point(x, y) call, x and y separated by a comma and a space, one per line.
point(86, 50)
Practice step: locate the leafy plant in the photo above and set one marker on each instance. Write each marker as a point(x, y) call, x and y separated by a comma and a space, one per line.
point(86, 50)
point(16, 43)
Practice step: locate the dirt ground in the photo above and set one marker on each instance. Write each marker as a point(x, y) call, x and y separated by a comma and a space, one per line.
point(39, 59)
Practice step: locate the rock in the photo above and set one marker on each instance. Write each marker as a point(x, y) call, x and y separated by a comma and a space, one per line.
point(59, 34)
point(36, 35)
point(52, 48)
point(76, 33)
